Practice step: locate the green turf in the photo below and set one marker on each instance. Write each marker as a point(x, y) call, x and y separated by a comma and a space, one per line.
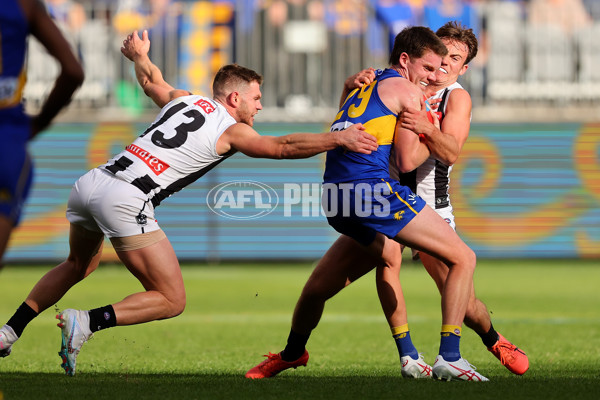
point(237, 313)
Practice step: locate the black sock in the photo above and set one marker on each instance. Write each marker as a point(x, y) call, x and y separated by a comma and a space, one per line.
point(21, 318)
point(102, 318)
point(296, 345)
point(490, 338)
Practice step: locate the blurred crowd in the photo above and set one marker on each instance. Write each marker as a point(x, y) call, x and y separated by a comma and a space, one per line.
point(348, 30)
point(344, 17)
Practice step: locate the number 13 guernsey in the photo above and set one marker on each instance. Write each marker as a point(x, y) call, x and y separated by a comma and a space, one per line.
point(176, 150)
point(363, 106)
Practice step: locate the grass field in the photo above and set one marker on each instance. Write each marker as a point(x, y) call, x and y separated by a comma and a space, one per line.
point(236, 313)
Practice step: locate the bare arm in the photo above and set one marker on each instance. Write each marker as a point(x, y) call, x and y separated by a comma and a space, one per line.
point(358, 80)
point(71, 72)
point(148, 75)
point(446, 143)
point(409, 151)
point(243, 138)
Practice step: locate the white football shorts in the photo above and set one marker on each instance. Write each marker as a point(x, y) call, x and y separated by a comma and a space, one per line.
point(100, 202)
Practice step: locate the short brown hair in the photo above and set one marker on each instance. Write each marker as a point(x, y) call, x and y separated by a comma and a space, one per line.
point(454, 30)
point(415, 41)
point(231, 76)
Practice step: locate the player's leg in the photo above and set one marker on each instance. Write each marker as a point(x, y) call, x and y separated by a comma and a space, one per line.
point(84, 256)
point(429, 233)
point(389, 288)
point(342, 264)
point(7, 335)
point(478, 318)
point(157, 268)
point(392, 302)
point(6, 227)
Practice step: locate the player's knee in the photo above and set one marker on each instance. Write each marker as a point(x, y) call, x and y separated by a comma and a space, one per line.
point(468, 259)
point(80, 267)
point(472, 258)
point(176, 307)
point(320, 291)
point(179, 309)
point(471, 309)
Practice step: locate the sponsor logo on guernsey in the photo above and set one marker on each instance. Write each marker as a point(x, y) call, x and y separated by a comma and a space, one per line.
point(205, 105)
point(155, 164)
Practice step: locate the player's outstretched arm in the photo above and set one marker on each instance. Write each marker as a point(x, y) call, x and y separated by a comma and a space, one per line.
point(71, 72)
point(148, 75)
point(242, 137)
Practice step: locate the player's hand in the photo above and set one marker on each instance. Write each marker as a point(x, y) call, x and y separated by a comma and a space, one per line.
point(358, 80)
point(418, 121)
point(355, 138)
point(434, 103)
point(134, 46)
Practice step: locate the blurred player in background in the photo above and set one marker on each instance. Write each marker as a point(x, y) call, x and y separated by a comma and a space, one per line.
point(18, 20)
point(191, 135)
point(416, 56)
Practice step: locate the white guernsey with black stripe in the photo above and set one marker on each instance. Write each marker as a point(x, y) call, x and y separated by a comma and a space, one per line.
point(431, 180)
point(177, 149)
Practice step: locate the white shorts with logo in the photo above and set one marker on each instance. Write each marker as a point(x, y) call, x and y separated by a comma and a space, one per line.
point(100, 202)
point(447, 214)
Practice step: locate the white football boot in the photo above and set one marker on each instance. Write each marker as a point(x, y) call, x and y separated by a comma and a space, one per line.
point(456, 370)
point(75, 328)
point(7, 338)
point(416, 369)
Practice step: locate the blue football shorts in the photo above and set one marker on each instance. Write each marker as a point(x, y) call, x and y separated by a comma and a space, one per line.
point(360, 209)
point(16, 170)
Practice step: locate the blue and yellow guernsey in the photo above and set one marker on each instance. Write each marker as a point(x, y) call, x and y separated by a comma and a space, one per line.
point(363, 106)
point(13, 44)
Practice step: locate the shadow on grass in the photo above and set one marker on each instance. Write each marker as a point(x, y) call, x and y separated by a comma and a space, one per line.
point(233, 386)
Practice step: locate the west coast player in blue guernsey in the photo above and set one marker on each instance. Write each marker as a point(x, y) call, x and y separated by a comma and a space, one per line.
point(19, 19)
point(365, 106)
point(363, 203)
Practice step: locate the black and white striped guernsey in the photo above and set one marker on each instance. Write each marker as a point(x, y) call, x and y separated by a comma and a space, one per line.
point(178, 148)
point(431, 180)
